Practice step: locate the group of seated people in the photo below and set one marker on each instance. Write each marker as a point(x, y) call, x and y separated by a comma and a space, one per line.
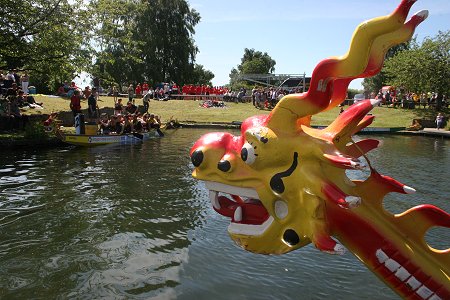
point(11, 117)
point(397, 98)
point(66, 90)
point(15, 100)
point(128, 123)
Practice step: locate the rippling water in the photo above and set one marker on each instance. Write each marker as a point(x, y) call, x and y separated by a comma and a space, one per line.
point(130, 222)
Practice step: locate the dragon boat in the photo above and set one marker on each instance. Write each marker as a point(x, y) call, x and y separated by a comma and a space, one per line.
point(88, 134)
point(90, 140)
point(283, 184)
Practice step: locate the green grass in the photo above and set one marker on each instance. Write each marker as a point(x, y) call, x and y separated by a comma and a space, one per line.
point(189, 110)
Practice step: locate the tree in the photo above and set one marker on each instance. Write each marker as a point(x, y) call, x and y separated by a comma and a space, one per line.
point(202, 76)
point(146, 40)
point(48, 38)
point(423, 68)
point(256, 62)
point(253, 62)
point(167, 29)
point(119, 57)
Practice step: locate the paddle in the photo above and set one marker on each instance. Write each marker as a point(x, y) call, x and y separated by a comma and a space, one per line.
point(138, 135)
point(161, 134)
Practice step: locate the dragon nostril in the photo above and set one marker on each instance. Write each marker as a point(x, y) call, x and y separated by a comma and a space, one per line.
point(197, 157)
point(224, 165)
point(291, 237)
point(244, 154)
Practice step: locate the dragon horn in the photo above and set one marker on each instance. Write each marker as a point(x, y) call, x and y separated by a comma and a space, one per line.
point(376, 58)
point(340, 71)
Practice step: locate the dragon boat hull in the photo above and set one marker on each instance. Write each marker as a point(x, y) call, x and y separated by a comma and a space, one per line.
point(98, 140)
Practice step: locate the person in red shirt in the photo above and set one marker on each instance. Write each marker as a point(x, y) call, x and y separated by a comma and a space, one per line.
point(138, 90)
point(75, 103)
point(175, 90)
point(145, 88)
point(74, 86)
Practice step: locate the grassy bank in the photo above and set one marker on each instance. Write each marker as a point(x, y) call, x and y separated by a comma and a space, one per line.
point(188, 110)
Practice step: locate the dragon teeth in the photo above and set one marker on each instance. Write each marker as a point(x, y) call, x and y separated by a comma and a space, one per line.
point(232, 190)
point(214, 198)
point(238, 214)
point(408, 189)
point(353, 201)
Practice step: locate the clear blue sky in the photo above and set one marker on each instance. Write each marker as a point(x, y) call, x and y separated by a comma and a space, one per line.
point(297, 34)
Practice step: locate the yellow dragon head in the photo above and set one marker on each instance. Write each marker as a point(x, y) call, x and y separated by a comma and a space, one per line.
point(283, 184)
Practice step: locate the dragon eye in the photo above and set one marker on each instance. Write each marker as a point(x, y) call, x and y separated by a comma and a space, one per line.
point(248, 154)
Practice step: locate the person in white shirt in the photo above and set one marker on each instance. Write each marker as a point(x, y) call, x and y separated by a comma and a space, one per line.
point(24, 80)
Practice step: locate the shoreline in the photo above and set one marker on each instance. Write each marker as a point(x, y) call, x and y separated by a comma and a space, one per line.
point(10, 143)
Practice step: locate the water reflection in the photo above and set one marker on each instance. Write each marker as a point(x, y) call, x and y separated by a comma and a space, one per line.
point(130, 222)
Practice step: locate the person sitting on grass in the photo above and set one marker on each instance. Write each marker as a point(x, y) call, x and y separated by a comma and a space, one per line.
point(32, 102)
point(21, 99)
point(61, 91)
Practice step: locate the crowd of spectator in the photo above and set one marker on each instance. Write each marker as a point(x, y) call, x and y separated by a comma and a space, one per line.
point(267, 98)
point(14, 98)
point(68, 90)
point(396, 98)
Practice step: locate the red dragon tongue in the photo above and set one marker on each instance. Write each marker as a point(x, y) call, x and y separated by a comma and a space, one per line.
point(237, 199)
point(227, 207)
point(249, 212)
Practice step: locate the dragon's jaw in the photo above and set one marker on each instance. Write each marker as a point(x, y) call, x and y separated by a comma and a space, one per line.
point(248, 214)
point(251, 224)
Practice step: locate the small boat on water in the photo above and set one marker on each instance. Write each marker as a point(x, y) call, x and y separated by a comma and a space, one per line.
point(90, 140)
point(88, 133)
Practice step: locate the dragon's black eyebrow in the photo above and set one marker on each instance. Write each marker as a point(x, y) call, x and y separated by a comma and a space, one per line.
point(276, 182)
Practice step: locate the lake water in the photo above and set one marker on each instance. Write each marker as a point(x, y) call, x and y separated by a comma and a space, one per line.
point(129, 222)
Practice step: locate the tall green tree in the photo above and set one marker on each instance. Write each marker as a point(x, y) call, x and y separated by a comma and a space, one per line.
point(423, 68)
point(201, 76)
point(146, 40)
point(48, 38)
point(119, 55)
point(167, 28)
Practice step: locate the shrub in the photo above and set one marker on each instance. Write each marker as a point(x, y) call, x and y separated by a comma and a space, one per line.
point(35, 131)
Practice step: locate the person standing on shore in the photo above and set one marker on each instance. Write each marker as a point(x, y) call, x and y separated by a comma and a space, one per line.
point(25, 80)
point(75, 103)
point(146, 101)
point(131, 93)
point(92, 105)
point(439, 121)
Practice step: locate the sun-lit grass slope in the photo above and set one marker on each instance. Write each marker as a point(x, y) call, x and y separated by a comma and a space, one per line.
point(189, 110)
